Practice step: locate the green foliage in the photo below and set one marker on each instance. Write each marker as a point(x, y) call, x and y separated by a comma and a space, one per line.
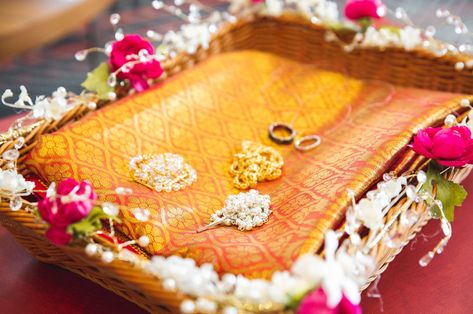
point(96, 81)
point(296, 297)
point(364, 23)
point(89, 224)
point(393, 29)
point(340, 27)
point(449, 193)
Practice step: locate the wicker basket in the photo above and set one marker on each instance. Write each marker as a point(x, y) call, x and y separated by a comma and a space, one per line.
point(296, 39)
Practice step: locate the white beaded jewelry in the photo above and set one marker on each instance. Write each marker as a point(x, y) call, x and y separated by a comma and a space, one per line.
point(244, 210)
point(165, 172)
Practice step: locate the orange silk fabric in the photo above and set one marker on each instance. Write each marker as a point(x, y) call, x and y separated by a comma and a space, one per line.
point(204, 114)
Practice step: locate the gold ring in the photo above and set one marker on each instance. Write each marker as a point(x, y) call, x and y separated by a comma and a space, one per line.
point(308, 142)
point(280, 126)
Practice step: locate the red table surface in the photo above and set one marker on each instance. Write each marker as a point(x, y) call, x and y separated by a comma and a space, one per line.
point(445, 286)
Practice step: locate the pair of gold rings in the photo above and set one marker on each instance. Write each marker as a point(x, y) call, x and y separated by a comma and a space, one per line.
point(304, 143)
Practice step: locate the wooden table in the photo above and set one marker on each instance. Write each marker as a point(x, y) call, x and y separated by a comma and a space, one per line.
point(25, 24)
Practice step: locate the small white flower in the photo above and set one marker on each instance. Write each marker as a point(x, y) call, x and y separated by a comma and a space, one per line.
point(24, 100)
point(14, 183)
point(196, 35)
point(321, 10)
point(283, 285)
point(370, 213)
point(307, 7)
point(254, 290)
point(327, 11)
point(379, 38)
point(274, 7)
point(371, 37)
point(336, 273)
point(370, 210)
point(174, 40)
point(410, 37)
point(356, 265)
point(393, 187)
point(52, 108)
point(336, 284)
point(309, 266)
point(336, 281)
point(238, 5)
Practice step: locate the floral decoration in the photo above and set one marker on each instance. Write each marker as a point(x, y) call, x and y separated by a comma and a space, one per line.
point(69, 211)
point(316, 303)
point(451, 147)
point(358, 9)
point(129, 58)
point(48, 108)
point(14, 184)
point(132, 59)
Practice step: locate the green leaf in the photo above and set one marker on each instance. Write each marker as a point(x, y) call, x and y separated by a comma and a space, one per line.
point(96, 81)
point(296, 297)
point(449, 193)
point(393, 29)
point(364, 23)
point(339, 27)
point(89, 224)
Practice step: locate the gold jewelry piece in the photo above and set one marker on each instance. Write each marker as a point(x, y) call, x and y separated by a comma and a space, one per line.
point(165, 172)
point(308, 142)
point(244, 210)
point(255, 163)
point(280, 126)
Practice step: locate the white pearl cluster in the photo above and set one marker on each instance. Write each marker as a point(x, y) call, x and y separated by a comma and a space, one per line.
point(204, 285)
point(165, 172)
point(245, 210)
point(407, 37)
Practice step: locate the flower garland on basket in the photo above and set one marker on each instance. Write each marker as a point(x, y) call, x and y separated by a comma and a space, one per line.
point(313, 284)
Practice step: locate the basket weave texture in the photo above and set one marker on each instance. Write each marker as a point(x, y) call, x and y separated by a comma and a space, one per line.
point(288, 36)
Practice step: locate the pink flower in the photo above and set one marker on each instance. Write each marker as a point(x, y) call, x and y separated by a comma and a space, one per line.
point(72, 202)
point(58, 236)
point(316, 303)
point(128, 49)
point(257, 1)
point(451, 147)
point(357, 9)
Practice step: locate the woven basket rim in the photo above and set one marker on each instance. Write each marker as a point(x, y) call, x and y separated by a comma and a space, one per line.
point(32, 132)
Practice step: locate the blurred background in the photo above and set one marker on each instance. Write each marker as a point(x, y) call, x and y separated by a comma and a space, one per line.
point(39, 37)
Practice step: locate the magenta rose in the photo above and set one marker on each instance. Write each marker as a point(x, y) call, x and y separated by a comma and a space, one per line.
point(357, 9)
point(128, 49)
point(451, 147)
point(58, 235)
point(72, 202)
point(316, 303)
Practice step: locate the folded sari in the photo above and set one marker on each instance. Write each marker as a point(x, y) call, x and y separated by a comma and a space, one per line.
point(205, 113)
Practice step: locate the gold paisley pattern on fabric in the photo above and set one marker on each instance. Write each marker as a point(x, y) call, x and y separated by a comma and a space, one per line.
point(205, 113)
